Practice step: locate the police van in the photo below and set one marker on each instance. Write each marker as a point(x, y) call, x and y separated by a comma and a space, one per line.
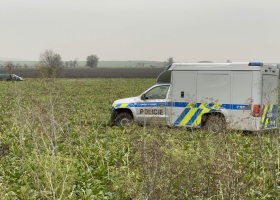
point(214, 96)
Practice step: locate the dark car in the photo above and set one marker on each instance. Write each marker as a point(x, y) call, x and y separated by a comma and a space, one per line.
point(10, 77)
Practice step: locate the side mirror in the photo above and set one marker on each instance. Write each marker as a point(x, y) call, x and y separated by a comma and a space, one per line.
point(143, 96)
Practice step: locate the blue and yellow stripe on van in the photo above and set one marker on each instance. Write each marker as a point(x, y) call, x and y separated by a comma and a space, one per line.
point(123, 105)
point(269, 122)
point(192, 114)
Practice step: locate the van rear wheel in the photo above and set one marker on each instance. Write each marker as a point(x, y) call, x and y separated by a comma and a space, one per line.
point(215, 124)
point(123, 119)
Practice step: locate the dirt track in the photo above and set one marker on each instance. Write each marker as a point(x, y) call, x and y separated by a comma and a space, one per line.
point(95, 73)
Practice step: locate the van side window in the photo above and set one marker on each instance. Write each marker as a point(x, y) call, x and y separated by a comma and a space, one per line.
point(157, 92)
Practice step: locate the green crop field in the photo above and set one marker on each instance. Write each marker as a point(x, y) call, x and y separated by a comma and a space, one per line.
point(57, 142)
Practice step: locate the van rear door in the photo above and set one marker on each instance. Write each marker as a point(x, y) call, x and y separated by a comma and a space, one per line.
point(269, 101)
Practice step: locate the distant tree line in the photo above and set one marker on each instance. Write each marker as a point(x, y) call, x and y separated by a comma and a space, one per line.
point(72, 63)
point(51, 65)
point(11, 65)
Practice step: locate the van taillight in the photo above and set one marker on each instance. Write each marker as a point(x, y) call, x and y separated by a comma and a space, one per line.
point(257, 111)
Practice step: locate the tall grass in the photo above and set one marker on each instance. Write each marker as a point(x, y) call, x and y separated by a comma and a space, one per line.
point(57, 142)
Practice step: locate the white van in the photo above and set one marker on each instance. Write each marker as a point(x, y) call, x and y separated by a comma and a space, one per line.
point(213, 96)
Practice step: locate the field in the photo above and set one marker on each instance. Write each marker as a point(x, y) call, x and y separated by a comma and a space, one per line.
point(57, 142)
point(94, 73)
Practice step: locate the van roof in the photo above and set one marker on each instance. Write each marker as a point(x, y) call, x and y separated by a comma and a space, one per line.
point(219, 66)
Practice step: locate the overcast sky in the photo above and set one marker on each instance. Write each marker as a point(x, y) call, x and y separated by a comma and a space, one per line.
point(188, 30)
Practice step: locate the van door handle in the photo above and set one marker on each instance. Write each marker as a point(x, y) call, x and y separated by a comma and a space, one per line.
point(161, 104)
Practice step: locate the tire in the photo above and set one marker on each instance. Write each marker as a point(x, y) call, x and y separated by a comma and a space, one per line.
point(123, 119)
point(215, 124)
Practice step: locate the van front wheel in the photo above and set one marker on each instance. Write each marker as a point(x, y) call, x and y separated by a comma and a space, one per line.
point(123, 119)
